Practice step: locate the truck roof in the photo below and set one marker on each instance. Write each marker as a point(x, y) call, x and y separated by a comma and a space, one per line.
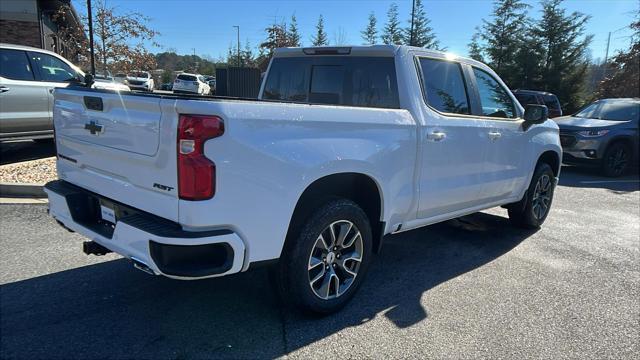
point(373, 50)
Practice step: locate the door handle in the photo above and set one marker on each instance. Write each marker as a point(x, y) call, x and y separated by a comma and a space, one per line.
point(494, 135)
point(436, 136)
point(4, 89)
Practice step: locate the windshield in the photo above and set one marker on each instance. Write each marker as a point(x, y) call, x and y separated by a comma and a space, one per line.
point(610, 110)
point(139, 74)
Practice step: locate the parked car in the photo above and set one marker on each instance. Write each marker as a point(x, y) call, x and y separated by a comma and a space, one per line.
point(604, 134)
point(211, 80)
point(28, 77)
point(140, 80)
point(120, 78)
point(191, 83)
point(343, 146)
point(104, 80)
point(166, 86)
point(526, 97)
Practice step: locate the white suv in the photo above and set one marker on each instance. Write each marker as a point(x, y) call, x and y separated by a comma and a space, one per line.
point(140, 80)
point(191, 83)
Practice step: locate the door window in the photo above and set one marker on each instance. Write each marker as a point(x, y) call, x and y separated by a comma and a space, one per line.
point(444, 86)
point(14, 65)
point(494, 99)
point(53, 69)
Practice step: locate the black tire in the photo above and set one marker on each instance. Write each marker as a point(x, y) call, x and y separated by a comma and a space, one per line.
point(616, 160)
point(526, 213)
point(293, 274)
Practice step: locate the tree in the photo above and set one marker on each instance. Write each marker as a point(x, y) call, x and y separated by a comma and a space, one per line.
point(475, 49)
point(121, 39)
point(77, 42)
point(370, 33)
point(392, 34)
point(419, 33)
point(623, 79)
point(320, 39)
point(340, 36)
point(564, 46)
point(502, 38)
point(293, 34)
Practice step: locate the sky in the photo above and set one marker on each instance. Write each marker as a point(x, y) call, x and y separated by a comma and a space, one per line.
point(206, 26)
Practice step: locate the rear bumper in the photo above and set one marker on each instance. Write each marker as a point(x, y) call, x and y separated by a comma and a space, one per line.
point(158, 243)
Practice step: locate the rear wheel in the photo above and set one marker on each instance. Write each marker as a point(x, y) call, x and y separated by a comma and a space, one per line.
point(616, 160)
point(532, 210)
point(323, 266)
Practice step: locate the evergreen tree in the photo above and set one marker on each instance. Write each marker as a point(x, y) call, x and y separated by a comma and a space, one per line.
point(320, 39)
point(564, 46)
point(475, 49)
point(370, 33)
point(293, 35)
point(420, 34)
point(392, 34)
point(502, 36)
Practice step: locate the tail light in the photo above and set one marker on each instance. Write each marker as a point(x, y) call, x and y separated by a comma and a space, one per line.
point(196, 173)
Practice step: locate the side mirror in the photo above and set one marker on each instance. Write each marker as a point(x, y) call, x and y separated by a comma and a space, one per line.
point(88, 80)
point(535, 114)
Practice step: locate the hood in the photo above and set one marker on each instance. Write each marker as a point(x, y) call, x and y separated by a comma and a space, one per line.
point(577, 123)
point(137, 78)
point(108, 85)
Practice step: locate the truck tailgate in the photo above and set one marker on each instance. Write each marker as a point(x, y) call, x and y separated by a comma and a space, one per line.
point(108, 143)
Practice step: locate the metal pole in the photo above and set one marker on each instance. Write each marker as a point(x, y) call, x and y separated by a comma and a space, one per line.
point(606, 57)
point(238, 28)
point(89, 17)
point(413, 9)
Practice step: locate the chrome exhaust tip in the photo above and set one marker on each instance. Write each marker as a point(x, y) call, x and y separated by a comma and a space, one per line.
point(138, 264)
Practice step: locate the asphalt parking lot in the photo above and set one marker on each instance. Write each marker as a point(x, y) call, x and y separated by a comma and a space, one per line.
point(468, 288)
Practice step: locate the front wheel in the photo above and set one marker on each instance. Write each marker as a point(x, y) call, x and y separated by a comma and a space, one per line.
point(532, 210)
point(616, 160)
point(322, 267)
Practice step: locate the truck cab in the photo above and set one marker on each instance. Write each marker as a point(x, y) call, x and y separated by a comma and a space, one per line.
point(343, 146)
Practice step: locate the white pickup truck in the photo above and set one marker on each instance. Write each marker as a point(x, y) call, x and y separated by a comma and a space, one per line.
point(342, 147)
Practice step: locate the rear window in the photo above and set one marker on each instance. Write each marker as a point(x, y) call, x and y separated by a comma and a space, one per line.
point(14, 64)
point(552, 102)
point(525, 99)
point(187, 77)
point(334, 80)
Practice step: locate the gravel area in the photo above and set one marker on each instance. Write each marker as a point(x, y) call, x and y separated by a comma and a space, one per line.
point(31, 172)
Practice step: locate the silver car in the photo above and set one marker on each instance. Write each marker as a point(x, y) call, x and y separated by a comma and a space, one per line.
point(27, 78)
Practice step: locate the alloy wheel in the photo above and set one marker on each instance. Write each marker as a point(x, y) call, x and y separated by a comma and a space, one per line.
point(617, 161)
point(335, 259)
point(542, 197)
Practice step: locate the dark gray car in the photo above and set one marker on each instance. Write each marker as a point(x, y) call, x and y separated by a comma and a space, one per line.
point(604, 134)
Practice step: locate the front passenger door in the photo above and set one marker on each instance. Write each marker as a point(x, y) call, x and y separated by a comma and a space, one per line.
point(507, 141)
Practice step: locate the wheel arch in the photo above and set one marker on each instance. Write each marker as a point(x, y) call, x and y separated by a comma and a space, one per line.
point(360, 188)
point(552, 158)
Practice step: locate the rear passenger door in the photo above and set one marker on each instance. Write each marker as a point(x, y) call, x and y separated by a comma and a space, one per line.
point(506, 141)
point(454, 147)
point(24, 106)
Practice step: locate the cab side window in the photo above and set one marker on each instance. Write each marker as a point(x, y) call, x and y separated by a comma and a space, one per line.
point(494, 99)
point(444, 87)
point(53, 69)
point(14, 65)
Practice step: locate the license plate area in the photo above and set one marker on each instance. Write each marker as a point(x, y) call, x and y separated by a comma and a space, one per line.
point(97, 214)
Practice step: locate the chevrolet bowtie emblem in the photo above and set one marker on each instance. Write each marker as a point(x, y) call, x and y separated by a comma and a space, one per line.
point(94, 128)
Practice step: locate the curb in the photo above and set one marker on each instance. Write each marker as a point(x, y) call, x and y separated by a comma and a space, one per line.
point(16, 190)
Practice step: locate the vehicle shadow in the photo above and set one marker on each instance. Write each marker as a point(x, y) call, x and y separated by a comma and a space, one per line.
point(585, 177)
point(110, 310)
point(16, 151)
